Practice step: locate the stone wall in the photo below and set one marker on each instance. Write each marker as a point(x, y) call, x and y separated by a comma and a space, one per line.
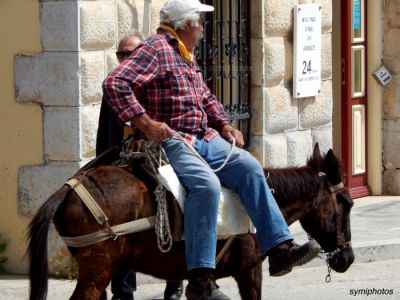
point(285, 129)
point(391, 102)
point(79, 40)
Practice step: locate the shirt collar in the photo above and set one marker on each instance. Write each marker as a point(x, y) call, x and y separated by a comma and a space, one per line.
point(172, 35)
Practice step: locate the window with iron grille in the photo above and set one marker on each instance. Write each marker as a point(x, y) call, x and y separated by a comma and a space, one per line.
point(224, 58)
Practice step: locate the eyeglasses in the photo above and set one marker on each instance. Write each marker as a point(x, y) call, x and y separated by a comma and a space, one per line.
point(121, 55)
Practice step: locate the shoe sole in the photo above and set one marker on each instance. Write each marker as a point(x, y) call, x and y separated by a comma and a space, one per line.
point(313, 253)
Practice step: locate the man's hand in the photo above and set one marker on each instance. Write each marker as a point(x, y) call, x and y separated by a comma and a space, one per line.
point(228, 132)
point(153, 130)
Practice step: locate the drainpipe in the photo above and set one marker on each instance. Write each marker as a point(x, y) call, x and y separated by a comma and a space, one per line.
point(147, 18)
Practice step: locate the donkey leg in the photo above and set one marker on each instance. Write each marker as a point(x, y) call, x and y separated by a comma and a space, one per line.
point(94, 276)
point(250, 283)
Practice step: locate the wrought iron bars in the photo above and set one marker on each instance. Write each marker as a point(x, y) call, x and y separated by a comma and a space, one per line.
point(224, 57)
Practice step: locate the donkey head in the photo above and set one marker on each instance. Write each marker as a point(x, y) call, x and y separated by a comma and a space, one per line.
point(329, 220)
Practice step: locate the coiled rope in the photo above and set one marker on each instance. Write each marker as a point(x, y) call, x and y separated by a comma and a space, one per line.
point(161, 225)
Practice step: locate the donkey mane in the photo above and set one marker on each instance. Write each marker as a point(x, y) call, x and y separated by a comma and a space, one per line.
point(292, 184)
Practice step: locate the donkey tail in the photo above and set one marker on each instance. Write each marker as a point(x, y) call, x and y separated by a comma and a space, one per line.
point(37, 248)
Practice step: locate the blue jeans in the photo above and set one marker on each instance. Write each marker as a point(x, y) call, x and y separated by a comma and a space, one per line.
point(242, 174)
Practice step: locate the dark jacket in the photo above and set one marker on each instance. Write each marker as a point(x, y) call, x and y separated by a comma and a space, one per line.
point(110, 131)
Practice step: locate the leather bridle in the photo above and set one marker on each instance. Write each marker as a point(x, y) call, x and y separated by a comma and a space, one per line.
point(340, 239)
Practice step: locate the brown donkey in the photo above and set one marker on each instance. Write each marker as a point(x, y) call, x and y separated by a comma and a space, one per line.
point(313, 194)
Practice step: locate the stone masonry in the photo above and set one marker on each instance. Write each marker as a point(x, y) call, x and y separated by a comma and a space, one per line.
point(284, 129)
point(391, 102)
point(79, 40)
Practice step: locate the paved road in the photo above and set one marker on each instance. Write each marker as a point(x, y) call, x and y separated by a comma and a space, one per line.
point(304, 283)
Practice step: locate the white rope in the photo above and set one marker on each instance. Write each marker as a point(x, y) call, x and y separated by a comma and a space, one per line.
point(178, 137)
point(161, 224)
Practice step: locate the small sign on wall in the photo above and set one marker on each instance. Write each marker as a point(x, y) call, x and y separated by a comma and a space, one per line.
point(307, 50)
point(383, 76)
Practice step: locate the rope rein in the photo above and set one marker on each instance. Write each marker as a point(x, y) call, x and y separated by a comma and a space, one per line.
point(156, 157)
point(178, 137)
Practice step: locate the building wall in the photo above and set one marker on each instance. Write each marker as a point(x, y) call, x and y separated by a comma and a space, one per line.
point(20, 125)
point(285, 129)
point(59, 56)
point(375, 96)
point(391, 99)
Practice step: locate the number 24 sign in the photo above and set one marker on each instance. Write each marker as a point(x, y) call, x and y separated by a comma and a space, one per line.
point(307, 50)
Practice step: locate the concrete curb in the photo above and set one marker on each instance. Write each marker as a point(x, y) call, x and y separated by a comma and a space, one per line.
point(364, 253)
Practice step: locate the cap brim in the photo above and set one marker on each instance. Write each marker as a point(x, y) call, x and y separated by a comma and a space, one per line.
point(205, 8)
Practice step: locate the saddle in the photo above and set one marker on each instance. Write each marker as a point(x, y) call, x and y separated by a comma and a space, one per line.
point(132, 155)
point(232, 217)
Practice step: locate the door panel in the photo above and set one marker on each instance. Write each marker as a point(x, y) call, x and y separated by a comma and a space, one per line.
point(354, 96)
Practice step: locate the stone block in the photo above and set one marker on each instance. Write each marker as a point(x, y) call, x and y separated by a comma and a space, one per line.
point(154, 14)
point(26, 87)
point(61, 134)
point(37, 183)
point(111, 60)
point(128, 18)
point(50, 78)
point(59, 78)
point(299, 147)
point(59, 26)
point(74, 138)
point(92, 75)
point(257, 147)
point(391, 142)
point(257, 110)
point(316, 111)
point(274, 60)
point(97, 24)
point(391, 96)
point(392, 13)
point(278, 17)
point(391, 182)
point(281, 111)
point(322, 136)
point(288, 77)
point(257, 62)
point(326, 17)
point(392, 50)
point(89, 120)
point(326, 56)
point(276, 151)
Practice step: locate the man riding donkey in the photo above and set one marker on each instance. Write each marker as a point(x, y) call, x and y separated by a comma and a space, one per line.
point(160, 90)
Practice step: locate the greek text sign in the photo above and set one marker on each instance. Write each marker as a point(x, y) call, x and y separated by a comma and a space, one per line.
point(307, 50)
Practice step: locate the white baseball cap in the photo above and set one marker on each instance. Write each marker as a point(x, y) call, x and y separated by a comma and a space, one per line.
point(179, 9)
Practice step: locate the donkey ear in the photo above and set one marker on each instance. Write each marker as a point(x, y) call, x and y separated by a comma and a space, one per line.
point(317, 153)
point(315, 162)
point(331, 160)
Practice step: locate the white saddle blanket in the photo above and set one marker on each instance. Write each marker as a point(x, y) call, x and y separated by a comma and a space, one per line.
point(232, 217)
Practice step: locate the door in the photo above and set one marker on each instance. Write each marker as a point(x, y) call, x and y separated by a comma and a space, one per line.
point(354, 96)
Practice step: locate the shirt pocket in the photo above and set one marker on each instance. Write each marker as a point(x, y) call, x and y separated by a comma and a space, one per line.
point(180, 81)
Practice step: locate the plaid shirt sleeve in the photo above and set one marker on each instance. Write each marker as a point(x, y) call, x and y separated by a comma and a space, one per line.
point(133, 73)
point(215, 110)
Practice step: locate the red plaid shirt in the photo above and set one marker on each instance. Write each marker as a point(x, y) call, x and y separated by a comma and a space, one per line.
point(156, 79)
